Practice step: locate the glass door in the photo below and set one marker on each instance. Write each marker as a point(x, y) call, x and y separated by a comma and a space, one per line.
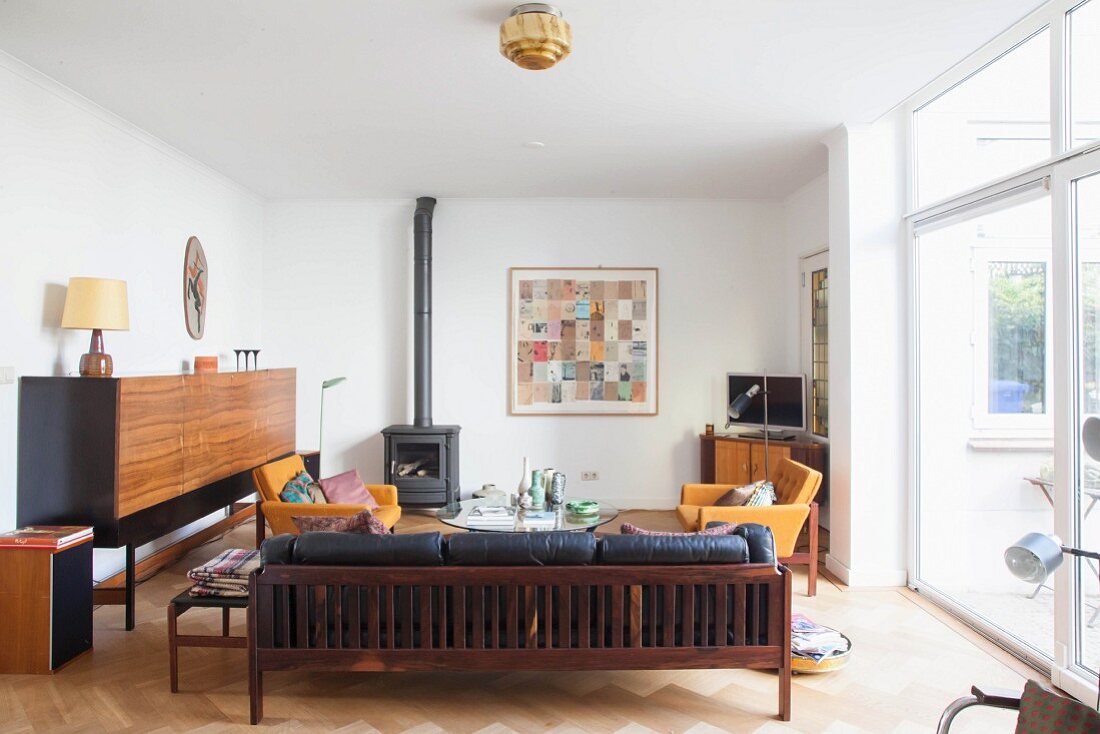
point(985, 462)
point(1077, 191)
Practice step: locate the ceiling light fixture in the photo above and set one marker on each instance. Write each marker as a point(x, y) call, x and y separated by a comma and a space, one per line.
point(535, 36)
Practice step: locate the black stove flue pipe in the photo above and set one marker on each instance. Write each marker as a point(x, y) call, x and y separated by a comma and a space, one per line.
point(422, 306)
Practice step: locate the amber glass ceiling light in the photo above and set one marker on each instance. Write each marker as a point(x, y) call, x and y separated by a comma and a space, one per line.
point(535, 36)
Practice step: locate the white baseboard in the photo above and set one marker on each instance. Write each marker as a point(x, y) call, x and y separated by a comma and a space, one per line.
point(866, 578)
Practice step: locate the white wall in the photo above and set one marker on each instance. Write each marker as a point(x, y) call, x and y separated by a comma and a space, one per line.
point(337, 297)
point(806, 231)
point(84, 193)
point(867, 350)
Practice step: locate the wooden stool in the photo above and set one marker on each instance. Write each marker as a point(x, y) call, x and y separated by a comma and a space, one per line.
point(183, 603)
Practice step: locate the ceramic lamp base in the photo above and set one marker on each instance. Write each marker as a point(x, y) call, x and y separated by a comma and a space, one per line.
point(96, 363)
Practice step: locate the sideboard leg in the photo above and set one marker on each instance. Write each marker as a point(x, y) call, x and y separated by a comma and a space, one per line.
point(130, 583)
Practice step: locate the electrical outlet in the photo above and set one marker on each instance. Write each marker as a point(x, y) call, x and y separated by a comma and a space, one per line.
point(590, 476)
point(7, 375)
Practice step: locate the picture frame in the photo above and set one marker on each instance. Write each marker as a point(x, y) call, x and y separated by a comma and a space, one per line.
point(569, 355)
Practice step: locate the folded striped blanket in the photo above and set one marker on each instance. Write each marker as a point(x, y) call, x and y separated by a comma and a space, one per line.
point(226, 574)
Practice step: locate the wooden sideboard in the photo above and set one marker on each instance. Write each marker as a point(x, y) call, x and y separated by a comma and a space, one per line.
point(740, 460)
point(140, 457)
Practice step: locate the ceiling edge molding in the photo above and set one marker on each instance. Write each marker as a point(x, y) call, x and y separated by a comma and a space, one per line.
point(30, 74)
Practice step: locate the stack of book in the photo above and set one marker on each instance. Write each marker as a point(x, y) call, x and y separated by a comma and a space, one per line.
point(540, 519)
point(491, 517)
point(45, 536)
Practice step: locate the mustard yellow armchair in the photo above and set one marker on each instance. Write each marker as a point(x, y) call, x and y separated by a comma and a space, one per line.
point(272, 477)
point(796, 486)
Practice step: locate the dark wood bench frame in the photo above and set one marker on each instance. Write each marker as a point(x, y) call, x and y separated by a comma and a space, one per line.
point(759, 641)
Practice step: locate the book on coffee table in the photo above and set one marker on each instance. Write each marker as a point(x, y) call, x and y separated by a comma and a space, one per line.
point(539, 519)
point(491, 516)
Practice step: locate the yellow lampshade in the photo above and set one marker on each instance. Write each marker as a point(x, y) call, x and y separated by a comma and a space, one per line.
point(96, 303)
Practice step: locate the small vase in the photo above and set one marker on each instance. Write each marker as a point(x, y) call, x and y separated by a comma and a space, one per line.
point(525, 481)
point(537, 492)
point(557, 489)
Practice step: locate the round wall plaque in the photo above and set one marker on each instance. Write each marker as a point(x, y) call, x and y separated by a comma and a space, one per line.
point(195, 273)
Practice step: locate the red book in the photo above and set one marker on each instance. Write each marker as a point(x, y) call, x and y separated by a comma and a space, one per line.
point(45, 536)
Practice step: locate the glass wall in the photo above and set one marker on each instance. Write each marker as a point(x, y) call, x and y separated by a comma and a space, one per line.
point(1006, 337)
point(1084, 73)
point(993, 123)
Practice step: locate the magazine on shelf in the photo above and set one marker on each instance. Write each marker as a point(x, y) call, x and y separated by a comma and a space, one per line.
point(45, 536)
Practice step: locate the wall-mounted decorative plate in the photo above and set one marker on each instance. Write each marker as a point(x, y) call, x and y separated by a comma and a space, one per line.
point(195, 274)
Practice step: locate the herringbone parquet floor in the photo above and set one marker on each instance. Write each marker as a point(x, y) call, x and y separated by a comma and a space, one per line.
point(908, 663)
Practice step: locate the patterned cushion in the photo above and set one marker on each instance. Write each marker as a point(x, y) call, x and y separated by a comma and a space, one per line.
point(1044, 712)
point(738, 495)
point(724, 529)
point(763, 496)
point(363, 522)
point(297, 490)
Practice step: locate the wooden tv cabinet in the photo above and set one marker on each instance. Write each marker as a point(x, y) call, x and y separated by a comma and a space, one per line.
point(140, 457)
point(740, 460)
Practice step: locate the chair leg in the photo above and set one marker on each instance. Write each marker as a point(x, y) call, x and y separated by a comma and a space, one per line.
point(225, 622)
point(255, 676)
point(785, 692)
point(173, 661)
point(785, 664)
point(811, 583)
point(255, 695)
point(259, 524)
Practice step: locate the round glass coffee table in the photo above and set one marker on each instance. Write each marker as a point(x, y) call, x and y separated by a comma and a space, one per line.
point(457, 515)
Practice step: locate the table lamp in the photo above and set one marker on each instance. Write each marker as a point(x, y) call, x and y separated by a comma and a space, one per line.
point(96, 304)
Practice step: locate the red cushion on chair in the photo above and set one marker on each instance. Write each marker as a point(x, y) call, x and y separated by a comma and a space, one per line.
point(1043, 711)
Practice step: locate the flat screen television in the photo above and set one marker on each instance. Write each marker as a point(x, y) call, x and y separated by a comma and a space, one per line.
point(786, 402)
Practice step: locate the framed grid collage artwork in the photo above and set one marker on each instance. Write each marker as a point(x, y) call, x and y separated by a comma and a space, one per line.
point(582, 341)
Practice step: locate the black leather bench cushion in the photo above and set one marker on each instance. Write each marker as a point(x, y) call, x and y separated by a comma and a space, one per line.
point(278, 550)
point(354, 549)
point(521, 549)
point(760, 541)
point(648, 550)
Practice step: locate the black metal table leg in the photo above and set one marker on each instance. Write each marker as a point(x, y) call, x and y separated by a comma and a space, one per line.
point(130, 583)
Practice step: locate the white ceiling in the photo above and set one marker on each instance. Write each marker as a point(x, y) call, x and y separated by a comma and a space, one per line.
point(398, 98)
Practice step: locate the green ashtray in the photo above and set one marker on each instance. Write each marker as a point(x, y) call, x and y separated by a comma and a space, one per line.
point(583, 507)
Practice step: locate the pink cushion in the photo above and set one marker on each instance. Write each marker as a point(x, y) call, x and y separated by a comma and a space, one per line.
point(363, 522)
point(347, 489)
point(628, 529)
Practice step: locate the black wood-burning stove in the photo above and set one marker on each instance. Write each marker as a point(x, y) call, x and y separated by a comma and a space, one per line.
point(423, 463)
point(422, 459)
